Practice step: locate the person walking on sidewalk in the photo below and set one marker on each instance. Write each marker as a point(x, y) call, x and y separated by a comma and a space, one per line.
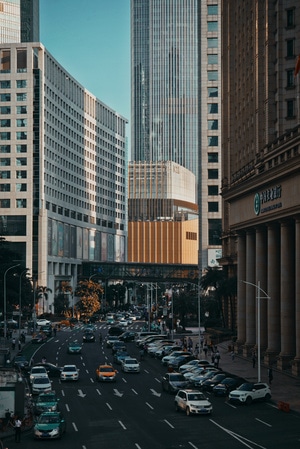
point(270, 374)
point(13, 344)
point(17, 426)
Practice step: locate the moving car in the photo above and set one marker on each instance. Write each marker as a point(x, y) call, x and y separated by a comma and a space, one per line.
point(39, 338)
point(47, 330)
point(115, 331)
point(37, 371)
point(106, 373)
point(49, 425)
point(130, 365)
point(249, 391)
point(172, 382)
point(192, 402)
point(88, 337)
point(119, 356)
point(111, 340)
point(46, 402)
point(20, 362)
point(42, 322)
point(69, 372)
point(118, 346)
point(74, 347)
point(41, 385)
point(52, 370)
point(127, 336)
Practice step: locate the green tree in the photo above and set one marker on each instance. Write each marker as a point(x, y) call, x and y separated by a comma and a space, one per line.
point(42, 294)
point(88, 292)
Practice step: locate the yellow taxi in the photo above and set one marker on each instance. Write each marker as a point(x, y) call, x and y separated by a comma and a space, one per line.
point(106, 373)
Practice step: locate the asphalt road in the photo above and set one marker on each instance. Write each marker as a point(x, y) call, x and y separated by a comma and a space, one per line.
point(134, 413)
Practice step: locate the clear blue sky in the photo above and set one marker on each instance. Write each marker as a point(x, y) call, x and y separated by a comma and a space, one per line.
point(91, 39)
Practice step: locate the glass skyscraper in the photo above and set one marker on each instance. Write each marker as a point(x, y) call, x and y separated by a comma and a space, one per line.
point(19, 21)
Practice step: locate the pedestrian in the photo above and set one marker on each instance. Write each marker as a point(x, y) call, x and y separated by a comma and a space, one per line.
point(217, 358)
point(232, 356)
point(17, 426)
point(19, 344)
point(270, 375)
point(196, 352)
point(190, 344)
point(205, 349)
point(253, 359)
point(212, 358)
point(13, 344)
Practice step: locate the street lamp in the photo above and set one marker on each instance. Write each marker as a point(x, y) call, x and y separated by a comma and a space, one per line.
point(20, 300)
point(4, 297)
point(258, 298)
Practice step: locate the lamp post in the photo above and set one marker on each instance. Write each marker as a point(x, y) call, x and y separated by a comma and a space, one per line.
point(4, 298)
point(20, 300)
point(258, 298)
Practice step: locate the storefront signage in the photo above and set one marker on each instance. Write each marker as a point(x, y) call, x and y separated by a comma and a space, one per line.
point(262, 200)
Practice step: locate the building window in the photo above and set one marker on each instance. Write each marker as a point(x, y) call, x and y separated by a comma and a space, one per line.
point(21, 148)
point(4, 174)
point(22, 96)
point(5, 123)
point(213, 157)
point(212, 108)
point(212, 75)
point(213, 173)
point(5, 84)
point(4, 110)
point(212, 26)
point(5, 203)
point(212, 124)
point(290, 18)
point(21, 174)
point(21, 135)
point(5, 61)
point(21, 187)
point(21, 60)
point(21, 109)
point(290, 79)
point(5, 161)
point(290, 48)
point(21, 161)
point(212, 92)
point(213, 190)
point(4, 136)
point(5, 97)
point(290, 109)
point(212, 59)
point(212, 10)
point(212, 42)
point(4, 148)
point(21, 84)
point(212, 141)
point(4, 187)
point(214, 231)
point(213, 206)
point(21, 203)
point(21, 122)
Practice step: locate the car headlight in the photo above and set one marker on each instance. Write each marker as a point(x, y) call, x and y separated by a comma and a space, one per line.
point(54, 431)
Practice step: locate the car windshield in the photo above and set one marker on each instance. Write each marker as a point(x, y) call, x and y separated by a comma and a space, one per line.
point(106, 370)
point(38, 370)
point(130, 362)
point(177, 378)
point(69, 369)
point(196, 397)
point(41, 380)
point(48, 398)
point(246, 387)
point(46, 419)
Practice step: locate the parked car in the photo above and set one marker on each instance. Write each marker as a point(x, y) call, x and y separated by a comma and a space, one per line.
point(172, 382)
point(130, 365)
point(46, 402)
point(69, 372)
point(47, 330)
point(106, 373)
point(227, 385)
point(49, 425)
point(166, 350)
point(20, 362)
point(180, 360)
point(208, 384)
point(39, 338)
point(249, 391)
point(197, 379)
point(74, 347)
point(193, 402)
point(127, 336)
point(166, 359)
point(41, 385)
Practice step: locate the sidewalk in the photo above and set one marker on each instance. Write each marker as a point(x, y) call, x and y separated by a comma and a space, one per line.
point(285, 387)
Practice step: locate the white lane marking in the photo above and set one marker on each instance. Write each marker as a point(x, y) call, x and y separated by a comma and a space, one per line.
point(98, 391)
point(169, 424)
point(117, 393)
point(124, 380)
point(157, 380)
point(110, 408)
point(75, 428)
point(263, 422)
point(248, 443)
point(137, 445)
point(146, 371)
point(191, 444)
point(68, 408)
point(155, 393)
point(62, 392)
point(122, 425)
point(92, 380)
point(230, 405)
point(134, 391)
point(150, 406)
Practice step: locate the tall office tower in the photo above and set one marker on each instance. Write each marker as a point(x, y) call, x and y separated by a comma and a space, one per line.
point(63, 167)
point(261, 173)
point(175, 69)
point(19, 21)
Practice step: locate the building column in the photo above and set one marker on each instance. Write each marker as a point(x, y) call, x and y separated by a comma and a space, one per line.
point(287, 295)
point(273, 290)
point(250, 294)
point(296, 361)
point(241, 290)
point(261, 277)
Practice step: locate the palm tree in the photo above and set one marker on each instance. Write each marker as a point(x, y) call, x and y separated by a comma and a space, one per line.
point(42, 293)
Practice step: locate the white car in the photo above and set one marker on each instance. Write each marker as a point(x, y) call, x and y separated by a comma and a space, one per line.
point(130, 365)
point(168, 358)
point(37, 371)
point(249, 391)
point(69, 372)
point(192, 402)
point(41, 385)
point(42, 322)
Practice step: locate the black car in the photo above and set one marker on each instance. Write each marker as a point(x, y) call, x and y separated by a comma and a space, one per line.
point(88, 337)
point(173, 382)
point(115, 331)
point(209, 384)
point(47, 330)
point(127, 336)
point(20, 362)
point(228, 384)
point(52, 370)
point(118, 346)
point(180, 360)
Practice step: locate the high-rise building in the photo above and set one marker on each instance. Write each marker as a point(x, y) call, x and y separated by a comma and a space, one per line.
point(261, 167)
point(63, 169)
point(19, 21)
point(176, 99)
